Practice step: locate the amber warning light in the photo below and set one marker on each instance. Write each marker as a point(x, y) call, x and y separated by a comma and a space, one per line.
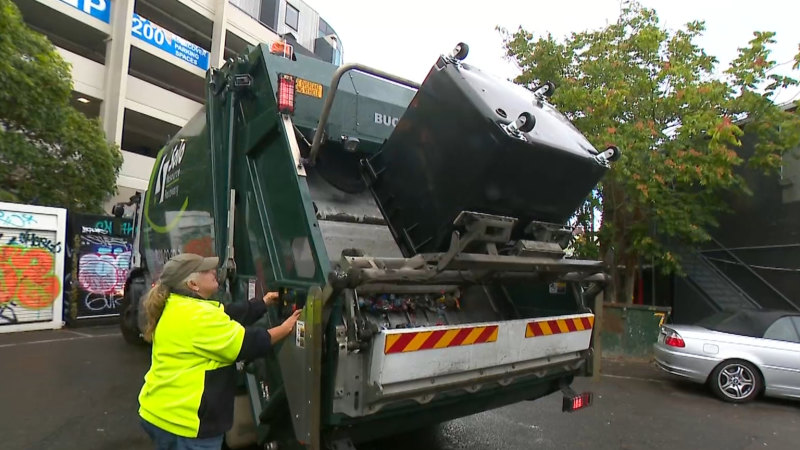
point(281, 48)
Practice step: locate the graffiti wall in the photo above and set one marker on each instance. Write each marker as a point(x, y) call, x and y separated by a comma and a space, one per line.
point(31, 267)
point(98, 263)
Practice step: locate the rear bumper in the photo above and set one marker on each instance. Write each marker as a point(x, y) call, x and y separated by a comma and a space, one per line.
point(686, 365)
point(405, 416)
point(494, 352)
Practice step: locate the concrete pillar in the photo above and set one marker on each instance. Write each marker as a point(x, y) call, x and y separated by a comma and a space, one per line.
point(118, 52)
point(219, 32)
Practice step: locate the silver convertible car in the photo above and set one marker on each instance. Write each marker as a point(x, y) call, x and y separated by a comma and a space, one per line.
point(740, 354)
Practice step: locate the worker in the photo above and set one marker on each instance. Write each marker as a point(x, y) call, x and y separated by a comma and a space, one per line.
point(186, 402)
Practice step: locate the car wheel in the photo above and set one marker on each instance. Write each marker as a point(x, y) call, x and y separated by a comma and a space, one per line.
point(736, 381)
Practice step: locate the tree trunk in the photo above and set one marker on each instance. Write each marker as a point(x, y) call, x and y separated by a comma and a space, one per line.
point(610, 294)
point(631, 269)
point(608, 247)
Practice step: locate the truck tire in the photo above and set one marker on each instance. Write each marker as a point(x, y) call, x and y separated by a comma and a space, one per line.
point(129, 306)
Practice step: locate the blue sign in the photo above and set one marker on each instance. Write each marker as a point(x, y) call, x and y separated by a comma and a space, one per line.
point(167, 41)
point(99, 9)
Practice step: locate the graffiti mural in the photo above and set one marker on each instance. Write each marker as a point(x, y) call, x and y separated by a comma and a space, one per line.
point(103, 265)
point(28, 282)
point(16, 219)
point(98, 260)
point(32, 248)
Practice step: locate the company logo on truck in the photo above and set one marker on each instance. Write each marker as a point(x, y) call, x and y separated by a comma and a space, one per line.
point(385, 119)
point(165, 186)
point(169, 171)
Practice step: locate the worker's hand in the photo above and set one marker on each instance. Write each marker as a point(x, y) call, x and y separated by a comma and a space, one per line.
point(292, 320)
point(284, 329)
point(271, 298)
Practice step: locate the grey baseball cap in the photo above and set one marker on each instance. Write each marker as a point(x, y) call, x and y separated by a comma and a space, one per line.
point(181, 266)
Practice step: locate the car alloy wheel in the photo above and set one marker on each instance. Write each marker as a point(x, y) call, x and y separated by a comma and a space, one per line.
point(736, 381)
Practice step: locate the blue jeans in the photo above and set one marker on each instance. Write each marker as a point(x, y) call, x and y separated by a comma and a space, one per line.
point(164, 440)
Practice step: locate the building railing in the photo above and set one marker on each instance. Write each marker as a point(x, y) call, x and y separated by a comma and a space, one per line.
point(740, 263)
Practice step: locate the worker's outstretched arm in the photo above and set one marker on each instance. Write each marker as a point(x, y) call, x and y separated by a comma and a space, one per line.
point(258, 341)
point(284, 329)
point(247, 313)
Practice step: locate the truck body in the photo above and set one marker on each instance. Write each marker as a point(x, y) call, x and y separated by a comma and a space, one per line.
point(421, 228)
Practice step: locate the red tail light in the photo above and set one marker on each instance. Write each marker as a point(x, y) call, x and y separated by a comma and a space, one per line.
point(575, 402)
point(673, 339)
point(286, 94)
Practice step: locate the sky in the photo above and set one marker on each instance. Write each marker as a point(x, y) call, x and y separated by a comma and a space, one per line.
point(405, 37)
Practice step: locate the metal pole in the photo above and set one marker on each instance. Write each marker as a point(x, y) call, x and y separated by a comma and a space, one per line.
point(756, 247)
point(326, 108)
point(136, 257)
point(597, 355)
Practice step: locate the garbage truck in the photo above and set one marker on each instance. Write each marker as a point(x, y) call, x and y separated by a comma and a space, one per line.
point(423, 229)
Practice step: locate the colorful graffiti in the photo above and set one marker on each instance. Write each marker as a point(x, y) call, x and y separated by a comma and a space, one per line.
point(126, 227)
point(16, 219)
point(103, 266)
point(107, 225)
point(27, 274)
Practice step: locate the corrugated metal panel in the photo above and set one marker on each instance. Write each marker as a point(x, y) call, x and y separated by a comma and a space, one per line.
point(29, 283)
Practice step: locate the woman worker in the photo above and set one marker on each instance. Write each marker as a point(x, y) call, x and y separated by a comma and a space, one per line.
point(187, 399)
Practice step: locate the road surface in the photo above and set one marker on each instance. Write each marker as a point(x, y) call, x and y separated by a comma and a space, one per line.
point(76, 389)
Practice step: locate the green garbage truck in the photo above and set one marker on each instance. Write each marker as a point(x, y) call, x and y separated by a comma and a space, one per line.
point(422, 228)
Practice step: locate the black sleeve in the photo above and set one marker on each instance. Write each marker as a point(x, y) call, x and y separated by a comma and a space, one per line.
point(246, 313)
point(256, 344)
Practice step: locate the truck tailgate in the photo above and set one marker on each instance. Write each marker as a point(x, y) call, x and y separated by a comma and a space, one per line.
point(411, 360)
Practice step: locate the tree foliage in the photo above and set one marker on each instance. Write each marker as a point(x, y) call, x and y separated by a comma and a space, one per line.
point(654, 93)
point(50, 153)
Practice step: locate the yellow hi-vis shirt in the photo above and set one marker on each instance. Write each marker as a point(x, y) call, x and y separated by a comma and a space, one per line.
point(190, 386)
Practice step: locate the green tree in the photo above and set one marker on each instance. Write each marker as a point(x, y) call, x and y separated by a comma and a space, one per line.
point(654, 93)
point(50, 153)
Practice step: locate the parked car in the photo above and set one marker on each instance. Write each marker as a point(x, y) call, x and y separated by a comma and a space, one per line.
point(739, 354)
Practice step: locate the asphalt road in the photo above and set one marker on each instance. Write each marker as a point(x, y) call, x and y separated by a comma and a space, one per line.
point(76, 389)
